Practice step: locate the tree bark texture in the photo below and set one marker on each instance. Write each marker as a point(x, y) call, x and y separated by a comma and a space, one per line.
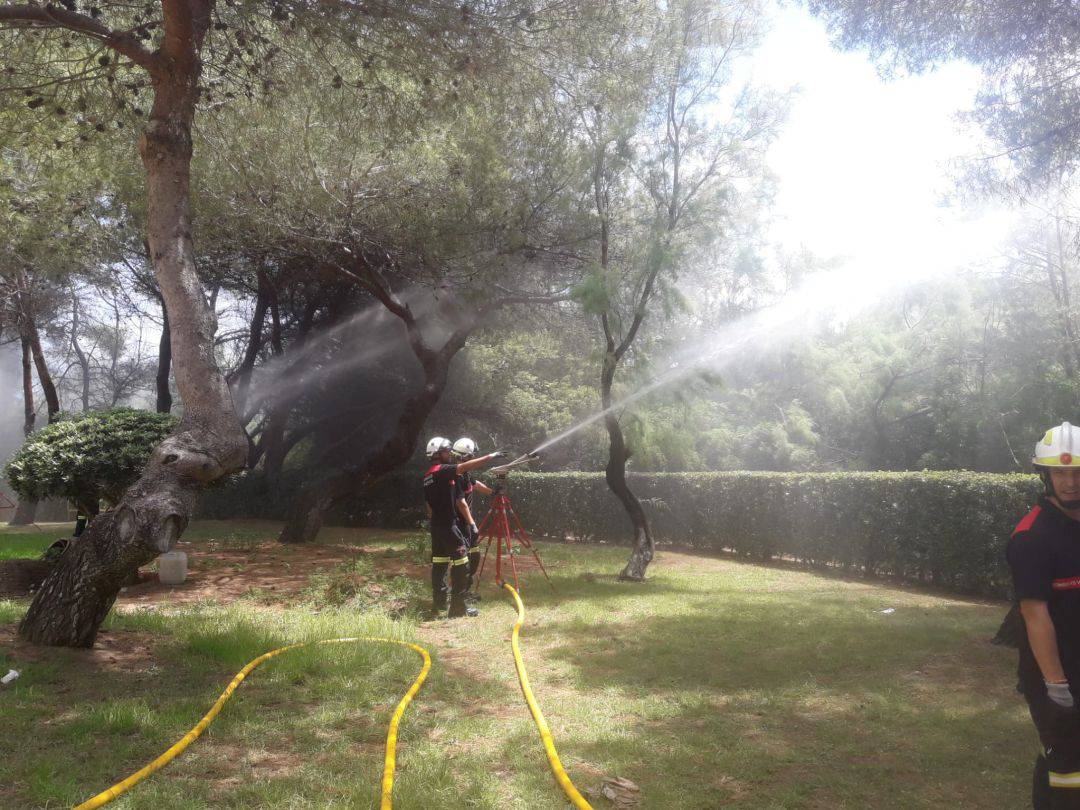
point(209, 442)
point(52, 401)
point(164, 366)
point(615, 471)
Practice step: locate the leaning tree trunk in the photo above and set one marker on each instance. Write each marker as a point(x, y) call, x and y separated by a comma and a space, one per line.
point(80, 355)
point(313, 502)
point(311, 505)
point(615, 474)
point(242, 378)
point(274, 447)
point(31, 348)
point(209, 442)
point(52, 400)
point(26, 511)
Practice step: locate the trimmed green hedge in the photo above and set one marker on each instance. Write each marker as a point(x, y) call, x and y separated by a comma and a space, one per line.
point(944, 528)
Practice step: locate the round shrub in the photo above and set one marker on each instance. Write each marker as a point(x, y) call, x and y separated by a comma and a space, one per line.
point(87, 458)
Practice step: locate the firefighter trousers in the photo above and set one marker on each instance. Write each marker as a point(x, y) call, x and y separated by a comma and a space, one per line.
point(1056, 778)
point(448, 551)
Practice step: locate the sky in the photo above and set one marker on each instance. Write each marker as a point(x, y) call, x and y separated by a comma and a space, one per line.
point(863, 163)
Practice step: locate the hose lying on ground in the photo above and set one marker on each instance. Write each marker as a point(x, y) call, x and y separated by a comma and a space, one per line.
point(172, 753)
point(545, 733)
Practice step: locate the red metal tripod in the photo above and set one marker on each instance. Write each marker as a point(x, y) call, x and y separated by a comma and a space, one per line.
point(501, 524)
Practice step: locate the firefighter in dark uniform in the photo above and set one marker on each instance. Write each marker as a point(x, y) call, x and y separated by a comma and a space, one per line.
point(448, 544)
point(465, 449)
point(1044, 556)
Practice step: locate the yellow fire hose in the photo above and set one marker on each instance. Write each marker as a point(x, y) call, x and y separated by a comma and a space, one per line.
point(116, 790)
point(545, 733)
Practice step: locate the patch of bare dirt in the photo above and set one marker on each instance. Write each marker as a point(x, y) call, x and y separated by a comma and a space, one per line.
point(227, 766)
point(278, 572)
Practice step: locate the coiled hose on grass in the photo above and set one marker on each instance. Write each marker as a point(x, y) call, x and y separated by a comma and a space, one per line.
point(174, 751)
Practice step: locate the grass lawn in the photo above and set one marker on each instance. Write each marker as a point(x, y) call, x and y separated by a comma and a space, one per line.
point(714, 684)
point(28, 541)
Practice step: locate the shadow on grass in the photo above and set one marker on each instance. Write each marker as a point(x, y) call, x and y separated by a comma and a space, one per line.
point(743, 642)
point(850, 749)
point(793, 700)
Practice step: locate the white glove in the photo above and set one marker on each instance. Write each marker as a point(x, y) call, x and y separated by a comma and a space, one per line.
point(1060, 694)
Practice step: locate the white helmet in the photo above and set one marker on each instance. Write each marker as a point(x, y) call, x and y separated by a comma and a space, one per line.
point(465, 447)
point(436, 445)
point(1060, 447)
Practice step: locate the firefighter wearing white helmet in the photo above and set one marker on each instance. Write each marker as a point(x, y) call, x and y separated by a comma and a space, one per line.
point(449, 548)
point(1044, 558)
point(436, 445)
point(463, 450)
point(1059, 448)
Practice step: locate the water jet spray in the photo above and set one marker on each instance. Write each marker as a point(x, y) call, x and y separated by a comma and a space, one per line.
point(831, 298)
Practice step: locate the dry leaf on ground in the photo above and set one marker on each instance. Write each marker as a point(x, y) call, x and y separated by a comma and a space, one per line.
point(621, 792)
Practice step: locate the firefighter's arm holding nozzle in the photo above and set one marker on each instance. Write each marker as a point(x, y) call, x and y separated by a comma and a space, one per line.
point(482, 461)
point(462, 504)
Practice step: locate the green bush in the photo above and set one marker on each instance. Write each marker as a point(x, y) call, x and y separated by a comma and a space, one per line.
point(944, 528)
point(87, 458)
